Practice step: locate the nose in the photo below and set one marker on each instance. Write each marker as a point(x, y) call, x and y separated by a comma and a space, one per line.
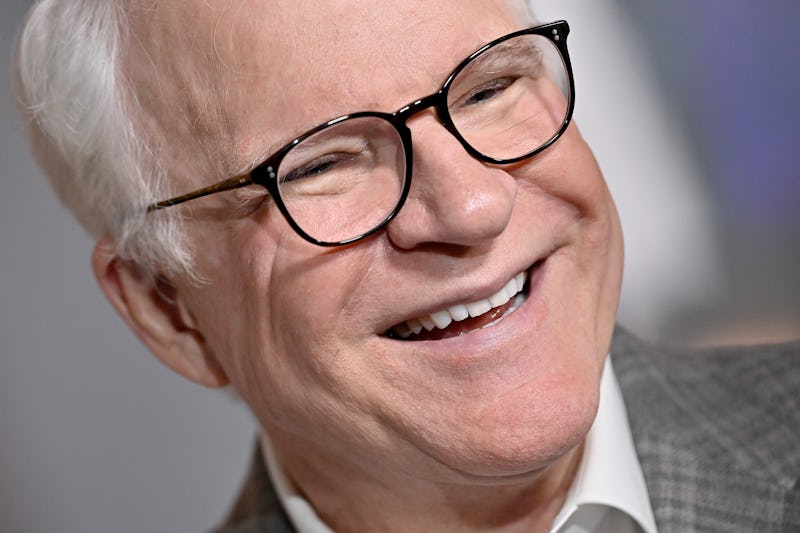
point(454, 198)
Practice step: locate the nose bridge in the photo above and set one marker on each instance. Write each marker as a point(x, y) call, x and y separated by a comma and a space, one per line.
point(437, 102)
point(454, 198)
point(418, 106)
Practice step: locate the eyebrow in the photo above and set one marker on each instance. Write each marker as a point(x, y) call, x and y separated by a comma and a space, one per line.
point(310, 147)
point(510, 53)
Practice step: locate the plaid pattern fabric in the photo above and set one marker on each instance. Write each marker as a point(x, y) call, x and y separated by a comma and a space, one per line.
point(717, 433)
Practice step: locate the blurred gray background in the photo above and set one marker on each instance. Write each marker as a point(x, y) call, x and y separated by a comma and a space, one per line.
point(691, 108)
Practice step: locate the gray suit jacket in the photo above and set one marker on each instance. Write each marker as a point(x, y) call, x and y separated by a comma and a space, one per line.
point(717, 433)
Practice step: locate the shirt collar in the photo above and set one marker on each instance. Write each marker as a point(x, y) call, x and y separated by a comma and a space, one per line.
point(609, 474)
point(303, 517)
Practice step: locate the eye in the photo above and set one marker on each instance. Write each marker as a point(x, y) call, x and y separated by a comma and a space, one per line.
point(317, 167)
point(487, 91)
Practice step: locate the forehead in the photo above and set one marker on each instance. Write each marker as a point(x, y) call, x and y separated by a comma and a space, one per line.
point(240, 77)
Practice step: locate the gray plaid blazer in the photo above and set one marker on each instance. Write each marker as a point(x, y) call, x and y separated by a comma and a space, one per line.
point(717, 433)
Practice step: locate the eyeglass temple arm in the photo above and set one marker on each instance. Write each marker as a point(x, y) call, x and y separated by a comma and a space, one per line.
point(226, 185)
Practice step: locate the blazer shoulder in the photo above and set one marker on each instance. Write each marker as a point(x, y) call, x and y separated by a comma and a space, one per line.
point(743, 402)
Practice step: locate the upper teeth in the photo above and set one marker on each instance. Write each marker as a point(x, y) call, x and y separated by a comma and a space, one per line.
point(457, 313)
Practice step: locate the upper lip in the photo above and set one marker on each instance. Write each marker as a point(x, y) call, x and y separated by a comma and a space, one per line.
point(469, 293)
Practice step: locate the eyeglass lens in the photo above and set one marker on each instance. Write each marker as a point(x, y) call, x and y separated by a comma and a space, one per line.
point(512, 99)
point(346, 179)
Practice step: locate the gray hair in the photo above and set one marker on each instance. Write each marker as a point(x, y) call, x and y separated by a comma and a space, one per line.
point(80, 111)
point(71, 91)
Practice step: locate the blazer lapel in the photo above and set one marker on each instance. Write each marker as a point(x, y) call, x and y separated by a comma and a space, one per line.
point(257, 508)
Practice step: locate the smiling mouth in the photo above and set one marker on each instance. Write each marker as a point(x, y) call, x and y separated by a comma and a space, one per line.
point(462, 319)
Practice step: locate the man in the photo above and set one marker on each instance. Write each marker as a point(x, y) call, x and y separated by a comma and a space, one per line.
point(379, 225)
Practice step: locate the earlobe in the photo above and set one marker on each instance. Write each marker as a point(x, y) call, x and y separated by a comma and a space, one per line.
point(156, 314)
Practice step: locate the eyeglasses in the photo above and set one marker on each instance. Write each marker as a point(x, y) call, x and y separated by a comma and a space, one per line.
point(347, 178)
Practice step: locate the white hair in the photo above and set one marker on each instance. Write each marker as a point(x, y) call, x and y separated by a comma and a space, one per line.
point(70, 89)
point(80, 113)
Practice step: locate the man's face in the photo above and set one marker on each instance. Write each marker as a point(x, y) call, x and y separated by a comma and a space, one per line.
point(300, 330)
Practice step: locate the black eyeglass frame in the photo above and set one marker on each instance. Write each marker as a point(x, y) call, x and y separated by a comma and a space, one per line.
point(265, 174)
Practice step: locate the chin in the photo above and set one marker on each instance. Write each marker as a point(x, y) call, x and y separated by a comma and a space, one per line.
point(518, 435)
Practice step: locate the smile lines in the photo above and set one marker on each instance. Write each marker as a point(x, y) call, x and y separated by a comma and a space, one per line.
point(460, 312)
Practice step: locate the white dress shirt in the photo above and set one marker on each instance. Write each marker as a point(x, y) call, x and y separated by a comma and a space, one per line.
point(608, 494)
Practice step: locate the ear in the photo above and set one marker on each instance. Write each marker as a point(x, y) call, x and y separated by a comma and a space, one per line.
point(161, 322)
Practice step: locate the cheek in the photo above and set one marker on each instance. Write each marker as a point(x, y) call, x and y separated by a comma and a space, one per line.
point(572, 175)
point(286, 332)
point(598, 249)
point(570, 186)
point(570, 189)
point(581, 184)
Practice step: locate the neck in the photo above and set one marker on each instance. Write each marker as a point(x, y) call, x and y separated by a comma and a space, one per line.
point(350, 500)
